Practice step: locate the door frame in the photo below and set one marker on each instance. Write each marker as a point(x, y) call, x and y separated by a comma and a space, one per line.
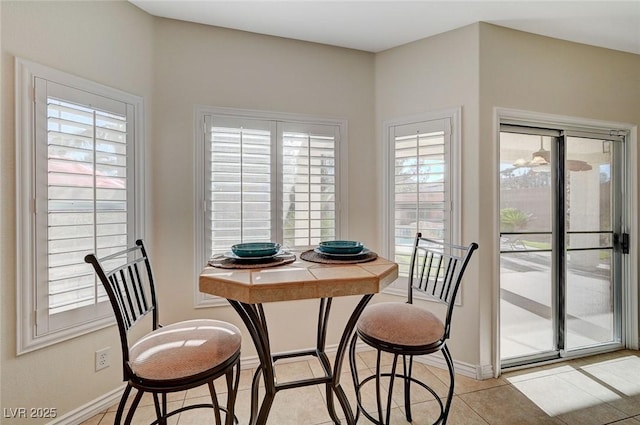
point(629, 291)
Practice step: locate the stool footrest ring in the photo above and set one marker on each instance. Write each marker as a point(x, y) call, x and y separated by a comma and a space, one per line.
point(403, 377)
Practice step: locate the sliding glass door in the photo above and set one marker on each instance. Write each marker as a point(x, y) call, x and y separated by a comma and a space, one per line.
point(561, 242)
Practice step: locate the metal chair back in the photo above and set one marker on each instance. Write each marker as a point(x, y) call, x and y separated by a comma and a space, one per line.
point(127, 278)
point(436, 270)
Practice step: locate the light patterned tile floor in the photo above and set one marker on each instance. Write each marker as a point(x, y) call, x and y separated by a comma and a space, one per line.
point(597, 390)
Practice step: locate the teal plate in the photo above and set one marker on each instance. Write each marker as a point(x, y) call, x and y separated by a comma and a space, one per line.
point(341, 247)
point(255, 249)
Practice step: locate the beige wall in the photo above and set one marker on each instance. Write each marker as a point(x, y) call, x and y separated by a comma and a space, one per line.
point(433, 74)
point(2, 214)
point(203, 65)
point(528, 72)
point(176, 65)
point(107, 42)
point(479, 68)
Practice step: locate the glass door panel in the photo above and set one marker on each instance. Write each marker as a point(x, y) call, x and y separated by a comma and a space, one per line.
point(590, 293)
point(590, 300)
point(527, 307)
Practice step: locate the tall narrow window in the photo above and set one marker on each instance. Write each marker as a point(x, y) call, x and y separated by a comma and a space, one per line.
point(268, 177)
point(86, 198)
point(421, 181)
point(80, 160)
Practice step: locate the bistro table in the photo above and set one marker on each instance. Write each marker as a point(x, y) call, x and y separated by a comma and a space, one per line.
point(248, 288)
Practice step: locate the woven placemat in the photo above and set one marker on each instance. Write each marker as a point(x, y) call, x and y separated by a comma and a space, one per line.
point(315, 257)
point(230, 263)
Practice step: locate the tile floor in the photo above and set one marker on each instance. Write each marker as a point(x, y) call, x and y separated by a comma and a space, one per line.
point(602, 389)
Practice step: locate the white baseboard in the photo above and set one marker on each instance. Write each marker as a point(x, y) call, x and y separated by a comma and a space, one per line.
point(87, 411)
point(100, 404)
point(478, 372)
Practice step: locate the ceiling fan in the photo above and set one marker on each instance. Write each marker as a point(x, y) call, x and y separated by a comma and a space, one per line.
point(542, 157)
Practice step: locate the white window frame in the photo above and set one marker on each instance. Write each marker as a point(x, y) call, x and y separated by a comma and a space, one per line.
point(454, 165)
point(26, 250)
point(202, 254)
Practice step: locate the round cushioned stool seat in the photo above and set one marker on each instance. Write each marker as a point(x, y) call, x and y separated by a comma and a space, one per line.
point(400, 324)
point(184, 349)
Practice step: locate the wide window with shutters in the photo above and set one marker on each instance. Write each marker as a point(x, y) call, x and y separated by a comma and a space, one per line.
point(421, 194)
point(78, 196)
point(267, 177)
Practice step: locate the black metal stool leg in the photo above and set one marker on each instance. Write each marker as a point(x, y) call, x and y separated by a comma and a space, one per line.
point(123, 402)
point(214, 401)
point(407, 386)
point(354, 375)
point(449, 360)
point(391, 380)
point(232, 393)
point(164, 409)
point(133, 407)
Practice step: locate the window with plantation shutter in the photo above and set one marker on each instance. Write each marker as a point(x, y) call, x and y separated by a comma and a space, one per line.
point(308, 184)
point(239, 199)
point(267, 177)
point(86, 198)
point(421, 192)
point(80, 160)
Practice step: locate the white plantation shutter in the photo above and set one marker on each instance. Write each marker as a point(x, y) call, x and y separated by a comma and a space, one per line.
point(308, 184)
point(265, 178)
point(239, 199)
point(82, 197)
point(420, 186)
point(419, 181)
point(77, 194)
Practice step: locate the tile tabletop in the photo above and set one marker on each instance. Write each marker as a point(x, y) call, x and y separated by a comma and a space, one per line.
point(298, 280)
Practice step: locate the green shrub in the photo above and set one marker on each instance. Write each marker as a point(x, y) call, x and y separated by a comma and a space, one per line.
point(513, 219)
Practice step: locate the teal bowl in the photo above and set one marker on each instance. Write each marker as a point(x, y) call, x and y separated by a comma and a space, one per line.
point(341, 247)
point(255, 249)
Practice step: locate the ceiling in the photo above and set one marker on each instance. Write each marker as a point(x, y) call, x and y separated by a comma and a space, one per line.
point(375, 26)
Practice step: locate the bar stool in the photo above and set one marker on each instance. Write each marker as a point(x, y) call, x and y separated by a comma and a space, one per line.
point(170, 358)
point(407, 330)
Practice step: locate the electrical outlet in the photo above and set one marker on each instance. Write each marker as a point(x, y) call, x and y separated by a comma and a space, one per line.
point(102, 358)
